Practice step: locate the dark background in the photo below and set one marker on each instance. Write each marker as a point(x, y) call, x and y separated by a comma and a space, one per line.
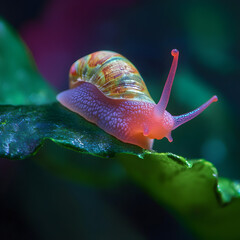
point(35, 204)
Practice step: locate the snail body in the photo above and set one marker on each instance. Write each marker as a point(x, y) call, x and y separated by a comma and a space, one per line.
point(107, 89)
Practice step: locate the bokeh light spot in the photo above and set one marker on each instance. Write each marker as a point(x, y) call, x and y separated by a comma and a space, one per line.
point(214, 150)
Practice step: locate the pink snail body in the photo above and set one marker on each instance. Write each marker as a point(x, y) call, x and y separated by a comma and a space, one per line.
point(106, 89)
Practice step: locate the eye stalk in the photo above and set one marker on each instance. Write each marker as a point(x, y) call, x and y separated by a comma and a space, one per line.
point(163, 102)
point(166, 118)
point(179, 120)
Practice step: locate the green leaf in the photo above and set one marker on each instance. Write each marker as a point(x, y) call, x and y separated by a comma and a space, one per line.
point(211, 206)
point(228, 189)
point(80, 168)
point(24, 128)
point(20, 81)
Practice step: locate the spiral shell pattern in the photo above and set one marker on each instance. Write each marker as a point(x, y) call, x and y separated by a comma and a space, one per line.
point(112, 74)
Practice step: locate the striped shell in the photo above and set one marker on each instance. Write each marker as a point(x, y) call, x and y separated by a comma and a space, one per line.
point(112, 74)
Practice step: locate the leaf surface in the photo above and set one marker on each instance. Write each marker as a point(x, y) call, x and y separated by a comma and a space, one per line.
point(24, 128)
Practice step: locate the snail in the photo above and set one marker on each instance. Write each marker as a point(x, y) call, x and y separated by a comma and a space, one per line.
point(107, 89)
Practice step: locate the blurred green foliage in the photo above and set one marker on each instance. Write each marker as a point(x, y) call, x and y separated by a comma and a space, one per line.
point(211, 37)
point(20, 81)
point(191, 189)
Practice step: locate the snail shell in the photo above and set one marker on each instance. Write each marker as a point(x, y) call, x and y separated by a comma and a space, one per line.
point(107, 89)
point(112, 74)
